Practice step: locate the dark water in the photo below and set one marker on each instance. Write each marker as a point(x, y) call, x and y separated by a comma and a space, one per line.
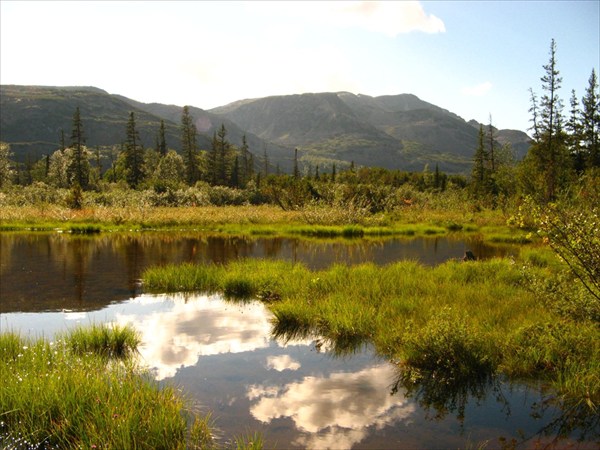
point(54, 271)
point(298, 391)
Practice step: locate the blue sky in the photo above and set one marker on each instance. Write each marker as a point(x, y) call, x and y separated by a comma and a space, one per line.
point(473, 58)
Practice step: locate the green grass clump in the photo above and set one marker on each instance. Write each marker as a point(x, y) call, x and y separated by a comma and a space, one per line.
point(85, 229)
point(56, 397)
point(448, 348)
point(112, 342)
point(453, 321)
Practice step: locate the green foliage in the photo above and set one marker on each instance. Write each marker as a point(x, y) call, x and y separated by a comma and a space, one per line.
point(133, 154)
point(574, 234)
point(6, 171)
point(447, 348)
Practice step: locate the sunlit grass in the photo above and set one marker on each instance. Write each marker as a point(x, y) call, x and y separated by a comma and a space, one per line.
point(72, 393)
point(457, 319)
point(250, 219)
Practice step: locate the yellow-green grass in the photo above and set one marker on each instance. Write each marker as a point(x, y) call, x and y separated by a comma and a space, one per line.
point(261, 220)
point(455, 320)
point(73, 393)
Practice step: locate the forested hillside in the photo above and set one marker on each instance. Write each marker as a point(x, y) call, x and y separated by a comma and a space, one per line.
point(393, 132)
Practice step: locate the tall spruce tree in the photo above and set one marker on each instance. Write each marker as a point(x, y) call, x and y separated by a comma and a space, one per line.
point(223, 148)
point(134, 154)
point(480, 172)
point(548, 155)
point(189, 147)
point(574, 137)
point(78, 168)
point(590, 124)
point(296, 169)
point(162, 141)
point(245, 169)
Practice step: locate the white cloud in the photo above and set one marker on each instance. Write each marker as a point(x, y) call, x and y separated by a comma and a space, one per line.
point(477, 90)
point(387, 17)
point(392, 18)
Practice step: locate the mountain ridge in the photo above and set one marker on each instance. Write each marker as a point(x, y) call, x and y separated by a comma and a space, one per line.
point(392, 131)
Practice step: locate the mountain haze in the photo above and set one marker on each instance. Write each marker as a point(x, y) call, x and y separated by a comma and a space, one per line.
point(392, 131)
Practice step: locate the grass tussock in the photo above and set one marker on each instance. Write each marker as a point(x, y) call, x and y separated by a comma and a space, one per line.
point(453, 321)
point(67, 394)
point(111, 342)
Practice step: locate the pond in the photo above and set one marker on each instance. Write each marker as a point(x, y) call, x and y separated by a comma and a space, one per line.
point(297, 391)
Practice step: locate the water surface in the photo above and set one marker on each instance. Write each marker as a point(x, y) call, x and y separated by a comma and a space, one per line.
point(301, 392)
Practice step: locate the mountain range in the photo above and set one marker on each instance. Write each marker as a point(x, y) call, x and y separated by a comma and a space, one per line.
point(392, 131)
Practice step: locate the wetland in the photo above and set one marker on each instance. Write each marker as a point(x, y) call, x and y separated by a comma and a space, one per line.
point(256, 368)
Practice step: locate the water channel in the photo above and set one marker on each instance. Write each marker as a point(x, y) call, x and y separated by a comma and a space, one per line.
point(297, 392)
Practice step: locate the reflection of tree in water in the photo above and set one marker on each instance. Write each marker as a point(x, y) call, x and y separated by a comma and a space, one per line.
point(448, 396)
point(440, 397)
point(563, 420)
point(570, 417)
point(338, 346)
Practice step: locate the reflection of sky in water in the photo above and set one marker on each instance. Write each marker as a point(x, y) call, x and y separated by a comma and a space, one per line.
point(222, 356)
point(181, 331)
point(344, 405)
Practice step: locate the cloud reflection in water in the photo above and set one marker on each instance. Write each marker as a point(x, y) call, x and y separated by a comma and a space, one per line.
point(334, 411)
point(185, 329)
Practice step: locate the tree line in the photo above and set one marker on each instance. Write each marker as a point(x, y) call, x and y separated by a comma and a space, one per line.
point(562, 149)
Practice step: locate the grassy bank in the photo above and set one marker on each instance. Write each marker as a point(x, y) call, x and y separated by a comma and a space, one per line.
point(84, 390)
point(450, 322)
point(264, 220)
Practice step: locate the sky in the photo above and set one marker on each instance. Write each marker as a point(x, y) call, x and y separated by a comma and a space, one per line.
point(476, 59)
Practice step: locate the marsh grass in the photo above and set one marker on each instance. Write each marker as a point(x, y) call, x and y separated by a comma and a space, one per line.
point(453, 321)
point(111, 342)
point(57, 398)
point(252, 220)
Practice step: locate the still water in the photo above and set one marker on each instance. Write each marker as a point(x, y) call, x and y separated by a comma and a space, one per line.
point(298, 392)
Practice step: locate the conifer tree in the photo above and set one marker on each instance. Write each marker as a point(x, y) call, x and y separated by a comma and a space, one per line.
point(134, 154)
point(548, 158)
point(245, 169)
point(573, 127)
point(212, 161)
point(590, 126)
point(223, 148)
point(78, 168)
point(234, 180)
point(296, 170)
point(189, 147)
point(265, 162)
point(162, 142)
point(479, 173)
point(63, 144)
